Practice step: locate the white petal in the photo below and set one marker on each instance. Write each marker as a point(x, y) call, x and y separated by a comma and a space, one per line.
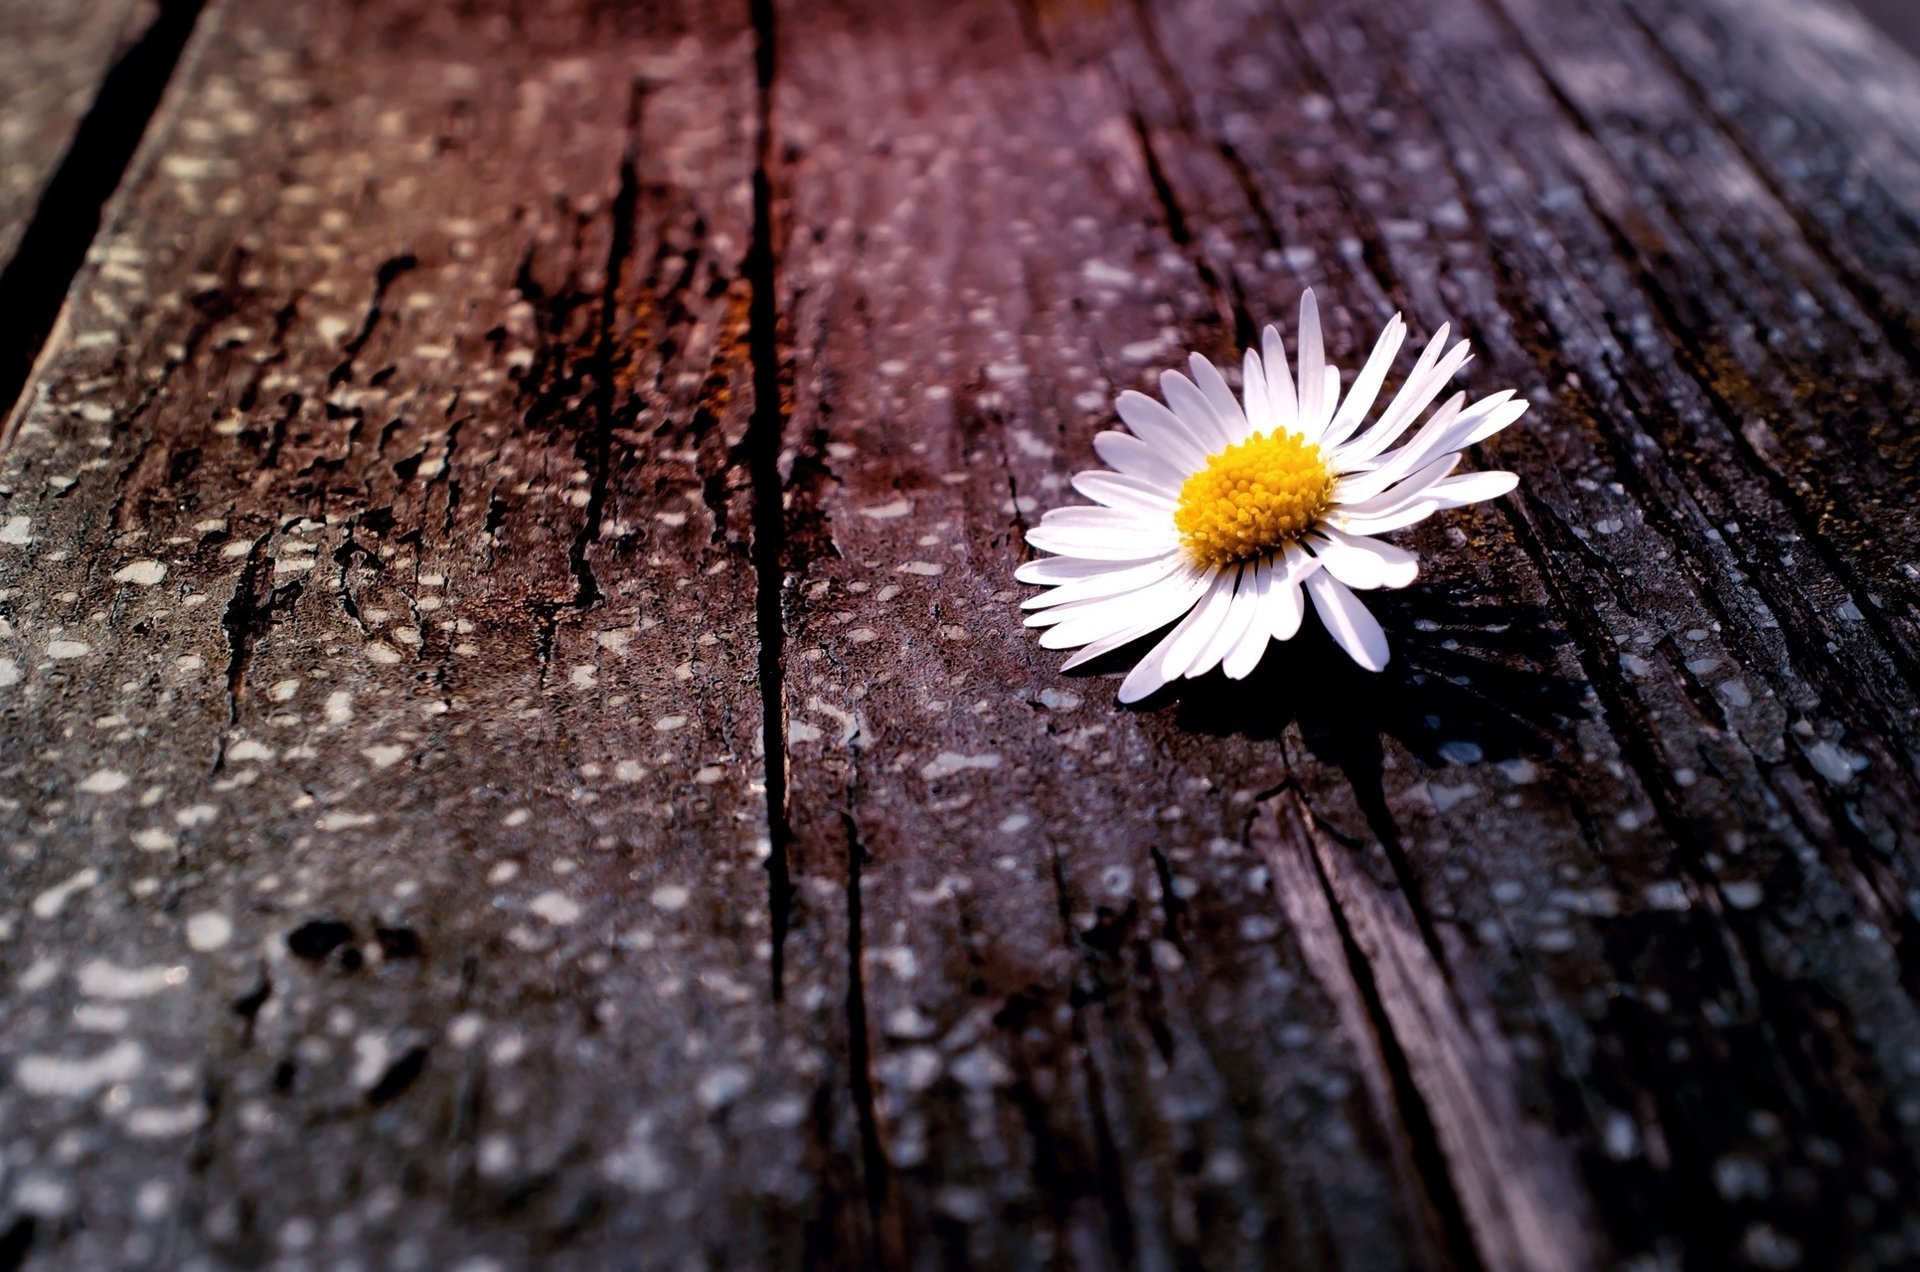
point(1430, 375)
point(1281, 398)
point(1161, 429)
point(1457, 492)
point(1206, 617)
point(1118, 520)
point(1120, 490)
point(1253, 385)
point(1405, 492)
point(1111, 581)
point(1106, 645)
point(1349, 622)
point(1193, 409)
point(1150, 607)
point(1432, 439)
point(1364, 563)
point(1148, 675)
point(1242, 608)
point(1226, 408)
point(1205, 623)
point(1313, 366)
point(1284, 610)
point(1366, 386)
point(1067, 569)
point(1284, 607)
point(1128, 454)
point(1097, 544)
point(1245, 656)
point(1497, 419)
point(1398, 518)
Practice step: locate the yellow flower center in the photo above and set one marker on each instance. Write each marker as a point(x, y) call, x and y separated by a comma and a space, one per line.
point(1252, 498)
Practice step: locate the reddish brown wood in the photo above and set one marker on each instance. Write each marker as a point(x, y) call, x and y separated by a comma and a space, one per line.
point(517, 742)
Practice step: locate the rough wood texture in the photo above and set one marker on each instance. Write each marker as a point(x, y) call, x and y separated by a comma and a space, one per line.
point(519, 745)
point(52, 62)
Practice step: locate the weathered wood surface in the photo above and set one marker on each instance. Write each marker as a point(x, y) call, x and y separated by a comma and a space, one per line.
point(52, 62)
point(519, 745)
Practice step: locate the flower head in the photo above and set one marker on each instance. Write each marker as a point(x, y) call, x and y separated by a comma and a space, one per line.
point(1227, 513)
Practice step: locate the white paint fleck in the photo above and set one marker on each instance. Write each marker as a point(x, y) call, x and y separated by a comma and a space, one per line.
point(1834, 762)
point(249, 749)
point(196, 815)
point(140, 573)
point(59, 1076)
point(1102, 274)
point(636, 1165)
point(9, 672)
point(283, 690)
point(584, 676)
point(1015, 823)
point(41, 973)
point(386, 655)
point(49, 903)
point(947, 763)
point(154, 839)
point(889, 511)
point(496, 1157)
point(17, 530)
point(164, 1123)
point(385, 755)
point(667, 724)
point(343, 821)
point(63, 649)
point(339, 707)
point(926, 569)
point(102, 979)
point(208, 930)
point(518, 817)
point(669, 896)
point(43, 1196)
point(371, 1056)
point(104, 782)
point(465, 1030)
point(1665, 895)
point(721, 1086)
point(555, 907)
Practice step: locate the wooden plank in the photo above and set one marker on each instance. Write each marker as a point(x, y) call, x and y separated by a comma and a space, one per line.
point(384, 812)
point(81, 81)
point(1095, 1047)
point(52, 62)
point(517, 745)
point(1530, 822)
point(1449, 220)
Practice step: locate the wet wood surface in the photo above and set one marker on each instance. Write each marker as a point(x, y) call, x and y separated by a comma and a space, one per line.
point(518, 748)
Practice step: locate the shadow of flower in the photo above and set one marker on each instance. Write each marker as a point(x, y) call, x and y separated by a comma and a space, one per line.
point(1478, 685)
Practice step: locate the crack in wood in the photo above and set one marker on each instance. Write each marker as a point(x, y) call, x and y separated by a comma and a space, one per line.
point(765, 438)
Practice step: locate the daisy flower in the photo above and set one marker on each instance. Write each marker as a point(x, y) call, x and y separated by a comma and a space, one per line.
point(1228, 514)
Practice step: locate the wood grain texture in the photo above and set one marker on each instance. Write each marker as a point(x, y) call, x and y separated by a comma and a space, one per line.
point(52, 62)
point(519, 744)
